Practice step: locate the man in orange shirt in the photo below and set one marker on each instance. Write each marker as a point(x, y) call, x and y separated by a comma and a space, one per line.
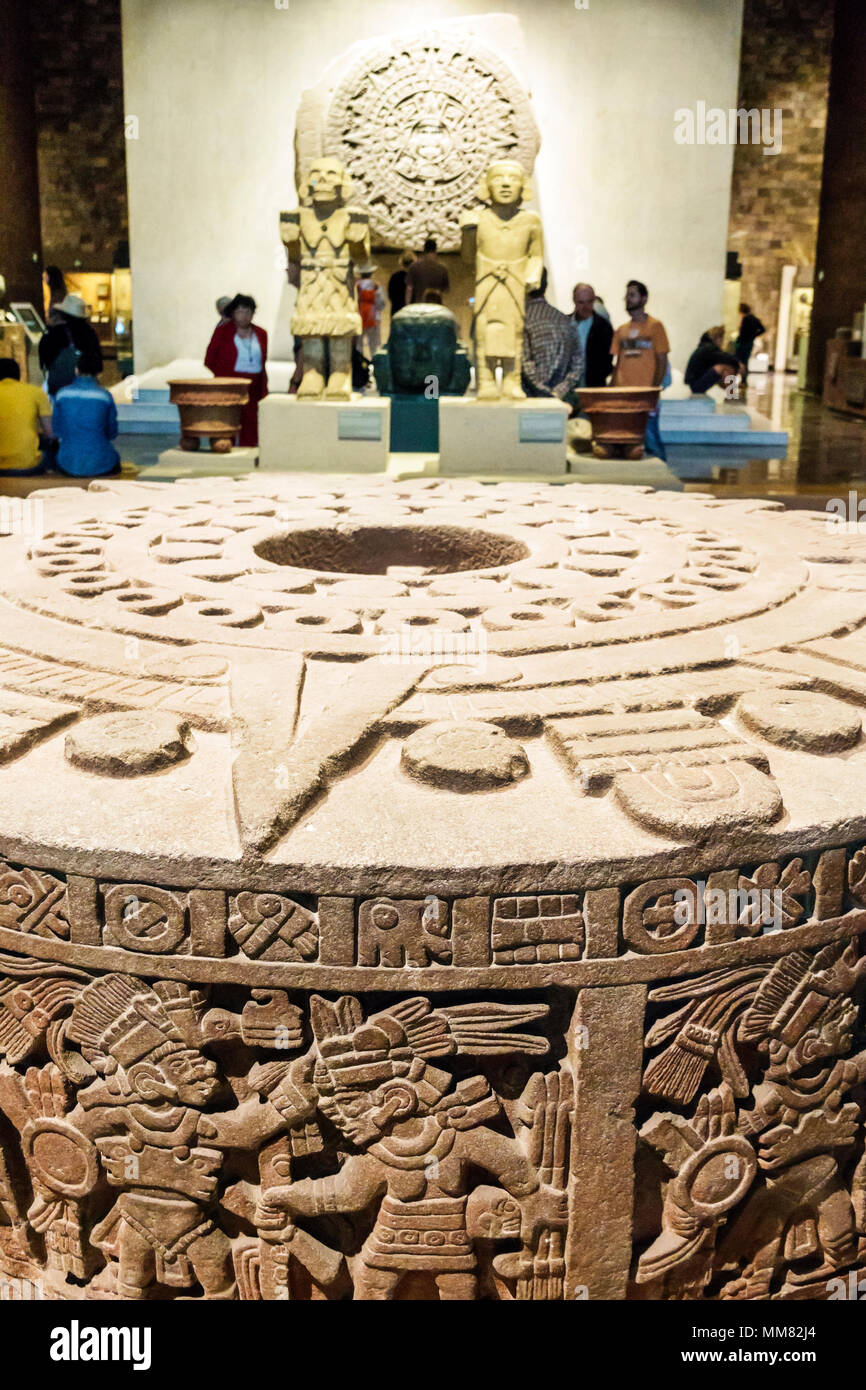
point(640, 346)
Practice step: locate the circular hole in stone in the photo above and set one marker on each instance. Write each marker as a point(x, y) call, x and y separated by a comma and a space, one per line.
point(376, 549)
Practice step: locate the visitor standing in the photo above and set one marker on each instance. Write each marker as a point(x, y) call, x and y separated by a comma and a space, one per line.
point(239, 347)
point(594, 334)
point(371, 302)
point(641, 350)
point(25, 415)
point(221, 306)
point(397, 285)
point(55, 285)
point(85, 422)
point(552, 355)
point(709, 365)
point(751, 328)
point(426, 273)
point(640, 346)
point(68, 337)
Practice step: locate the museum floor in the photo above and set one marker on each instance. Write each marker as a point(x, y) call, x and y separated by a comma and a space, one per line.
point(826, 454)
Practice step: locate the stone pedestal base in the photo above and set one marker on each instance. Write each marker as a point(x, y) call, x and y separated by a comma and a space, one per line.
point(503, 438)
point(324, 436)
point(180, 463)
point(414, 425)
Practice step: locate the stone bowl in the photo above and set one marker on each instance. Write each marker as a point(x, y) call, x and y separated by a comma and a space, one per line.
point(209, 408)
point(618, 416)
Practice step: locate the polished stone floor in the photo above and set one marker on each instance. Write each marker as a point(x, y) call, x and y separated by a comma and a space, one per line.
point(826, 452)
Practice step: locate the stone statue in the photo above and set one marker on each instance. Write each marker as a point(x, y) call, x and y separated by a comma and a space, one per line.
point(323, 240)
point(423, 354)
point(506, 243)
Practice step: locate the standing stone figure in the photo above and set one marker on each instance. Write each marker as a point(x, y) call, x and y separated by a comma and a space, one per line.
point(506, 243)
point(323, 240)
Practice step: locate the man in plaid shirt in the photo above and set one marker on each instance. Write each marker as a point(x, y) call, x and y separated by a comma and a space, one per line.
point(552, 355)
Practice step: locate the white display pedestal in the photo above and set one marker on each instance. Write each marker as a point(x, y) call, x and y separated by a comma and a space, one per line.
point(324, 436)
point(502, 437)
point(201, 463)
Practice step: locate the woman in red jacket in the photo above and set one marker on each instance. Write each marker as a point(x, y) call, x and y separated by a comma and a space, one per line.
point(240, 348)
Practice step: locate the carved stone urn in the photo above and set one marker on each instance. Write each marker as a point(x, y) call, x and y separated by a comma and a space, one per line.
point(431, 891)
point(210, 408)
point(618, 416)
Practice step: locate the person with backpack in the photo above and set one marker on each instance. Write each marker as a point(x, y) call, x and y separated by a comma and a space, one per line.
point(371, 302)
point(85, 422)
point(68, 337)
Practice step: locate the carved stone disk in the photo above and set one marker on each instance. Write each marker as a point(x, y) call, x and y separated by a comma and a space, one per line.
point(464, 757)
point(524, 836)
point(802, 719)
point(129, 744)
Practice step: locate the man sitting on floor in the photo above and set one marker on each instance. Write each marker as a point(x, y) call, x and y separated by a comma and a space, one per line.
point(709, 365)
point(25, 414)
point(85, 421)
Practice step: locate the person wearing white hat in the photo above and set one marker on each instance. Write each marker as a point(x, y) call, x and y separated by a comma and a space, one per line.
point(68, 338)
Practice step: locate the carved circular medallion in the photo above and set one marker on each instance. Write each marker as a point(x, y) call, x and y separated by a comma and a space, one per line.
point(416, 123)
point(62, 1158)
point(464, 756)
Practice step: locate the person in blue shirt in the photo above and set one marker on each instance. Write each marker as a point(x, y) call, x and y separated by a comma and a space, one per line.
point(85, 422)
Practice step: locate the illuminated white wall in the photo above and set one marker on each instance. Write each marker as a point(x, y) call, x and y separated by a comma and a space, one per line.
point(215, 84)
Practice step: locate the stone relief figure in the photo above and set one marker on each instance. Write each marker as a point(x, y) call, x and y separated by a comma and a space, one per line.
point(770, 1158)
point(505, 242)
point(420, 1136)
point(323, 238)
point(131, 1182)
point(144, 1112)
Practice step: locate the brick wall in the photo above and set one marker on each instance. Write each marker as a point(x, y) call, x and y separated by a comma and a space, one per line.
point(78, 79)
point(785, 63)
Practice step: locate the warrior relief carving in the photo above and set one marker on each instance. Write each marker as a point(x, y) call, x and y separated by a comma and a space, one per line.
point(761, 1169)
point(347, 1158)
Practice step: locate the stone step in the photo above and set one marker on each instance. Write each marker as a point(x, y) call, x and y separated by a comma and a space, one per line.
point(690, 405)
point(702, 461)
point(741, 427)
point(148, 417)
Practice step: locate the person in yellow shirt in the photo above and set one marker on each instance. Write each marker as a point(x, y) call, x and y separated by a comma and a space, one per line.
point(25, 413)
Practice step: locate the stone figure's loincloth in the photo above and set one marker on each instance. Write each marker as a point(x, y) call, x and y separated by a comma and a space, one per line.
point(171, 1226)
point(428, 1235)
point(325, 306)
